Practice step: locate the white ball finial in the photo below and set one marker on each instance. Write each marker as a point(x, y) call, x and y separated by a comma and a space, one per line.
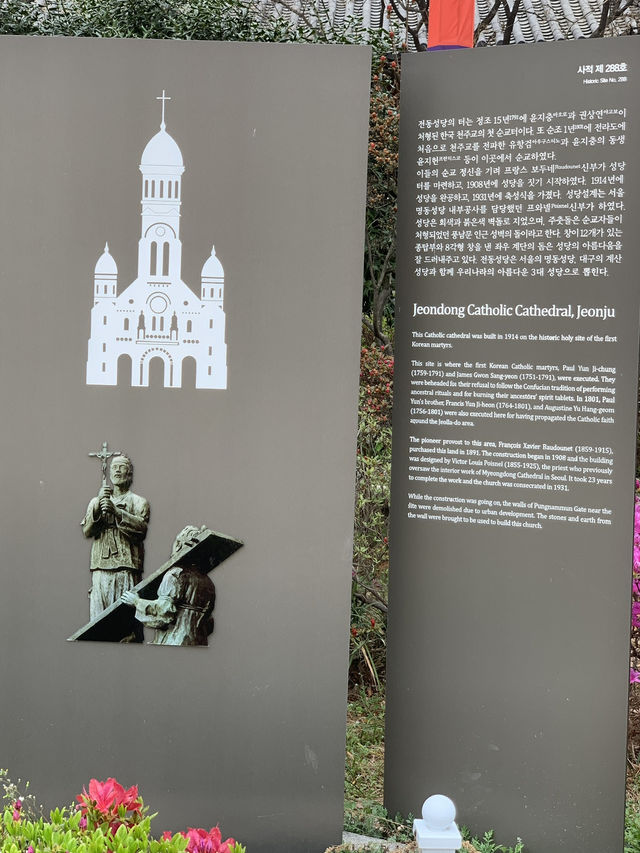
point(438, 812)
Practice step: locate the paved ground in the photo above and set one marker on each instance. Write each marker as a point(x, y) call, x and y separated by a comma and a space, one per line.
point(362, 840)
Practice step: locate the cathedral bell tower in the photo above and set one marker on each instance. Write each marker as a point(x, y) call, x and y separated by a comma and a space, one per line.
point(160, 249)
point(105, 276)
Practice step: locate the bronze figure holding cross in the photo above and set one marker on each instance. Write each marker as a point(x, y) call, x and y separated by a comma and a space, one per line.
point(116, 519)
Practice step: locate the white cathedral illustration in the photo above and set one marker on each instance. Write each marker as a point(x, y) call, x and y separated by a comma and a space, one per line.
point(158, 316)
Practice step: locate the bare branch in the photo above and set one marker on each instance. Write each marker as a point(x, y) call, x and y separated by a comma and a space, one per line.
point(602, 25)
point(378, 603)
point(385, 264)
point(423, 9)
point(379, 301)
point(380, 291)
point(398, 11)
point(511, 17)
point(367, 243)
point(486, 20)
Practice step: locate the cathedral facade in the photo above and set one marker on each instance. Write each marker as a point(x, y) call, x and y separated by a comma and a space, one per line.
point(158, 316)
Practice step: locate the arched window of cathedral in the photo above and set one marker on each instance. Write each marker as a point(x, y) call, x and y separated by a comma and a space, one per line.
point(165, 259)
point(153, 188)
point(146, 188)
point(126, 324)
point(211, 324)
point(161, 189)
point(104, 320)
point(153, 260)
point(189, 326)
point(219, 293)
point(162, 324)
point(212, 293)
point(153, 324)
point(176, 189)
point(105, 288)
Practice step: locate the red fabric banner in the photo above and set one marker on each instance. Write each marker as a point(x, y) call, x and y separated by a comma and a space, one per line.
point(451, 23)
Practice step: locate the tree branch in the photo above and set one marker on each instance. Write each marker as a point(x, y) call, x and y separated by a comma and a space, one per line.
point(486, 20)
point(602, 25)
point(511, 17)
point(366, 322)
point(377, 603)
point(379, 301)
point(367, 242)
point(398, 11)
point(414, 32)
point(385, 264)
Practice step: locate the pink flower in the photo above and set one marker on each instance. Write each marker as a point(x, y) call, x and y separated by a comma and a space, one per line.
point(166, 835)
point(109, 802)
point(130, 798)
point(201, 841)
point(634, 676)
point(101, 795)
point(81, 825)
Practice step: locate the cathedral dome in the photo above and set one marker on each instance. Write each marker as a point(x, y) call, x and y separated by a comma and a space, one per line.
point(162, 150)
point(106, 264)
point(212, 267)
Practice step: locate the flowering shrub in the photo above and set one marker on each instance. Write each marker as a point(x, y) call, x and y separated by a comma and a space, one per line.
point(367, 649)
point(376, 397)
point(382, 190)
point(201, 841)
point(376, 381)
point(107, 819)
point(634, 671)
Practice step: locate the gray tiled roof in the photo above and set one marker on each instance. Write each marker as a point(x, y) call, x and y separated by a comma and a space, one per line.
point(537, 20)
point(552, 20)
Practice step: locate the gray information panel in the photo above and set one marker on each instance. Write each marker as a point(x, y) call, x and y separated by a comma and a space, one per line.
point(230, 378)
point(514, 439)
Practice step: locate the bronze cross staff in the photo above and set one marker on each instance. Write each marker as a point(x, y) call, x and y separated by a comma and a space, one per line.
point(104, 455)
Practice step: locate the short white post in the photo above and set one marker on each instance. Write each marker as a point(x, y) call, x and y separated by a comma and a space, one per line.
point(437, 831)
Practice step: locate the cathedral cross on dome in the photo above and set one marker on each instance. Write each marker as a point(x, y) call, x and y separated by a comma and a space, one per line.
point(163, 98)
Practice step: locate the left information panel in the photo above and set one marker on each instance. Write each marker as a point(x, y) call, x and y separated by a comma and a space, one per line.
point(179, 347)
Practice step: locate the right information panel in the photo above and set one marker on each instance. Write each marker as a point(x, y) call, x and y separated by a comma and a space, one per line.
point(514, 439)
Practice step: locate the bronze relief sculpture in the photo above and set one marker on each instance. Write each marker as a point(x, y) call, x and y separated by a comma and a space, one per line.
point(177, 600)
point(182, 614)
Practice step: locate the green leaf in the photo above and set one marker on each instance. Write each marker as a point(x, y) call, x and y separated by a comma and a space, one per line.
point(121, 834)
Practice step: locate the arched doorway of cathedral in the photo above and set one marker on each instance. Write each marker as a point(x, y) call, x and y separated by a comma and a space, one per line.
point(156, 372)
point(188, 372)
point(156, 368)
point(125, 368)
